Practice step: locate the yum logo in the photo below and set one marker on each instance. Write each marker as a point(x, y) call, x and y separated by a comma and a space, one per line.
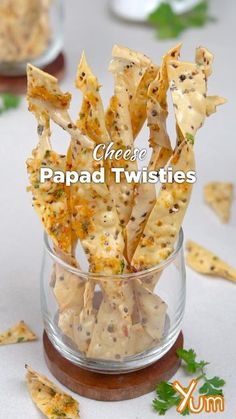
point(205, 403)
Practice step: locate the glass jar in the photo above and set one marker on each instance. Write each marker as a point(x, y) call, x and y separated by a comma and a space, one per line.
point(30, 31)
point(113, 324)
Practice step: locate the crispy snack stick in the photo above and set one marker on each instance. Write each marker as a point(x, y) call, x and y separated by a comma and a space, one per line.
point(128, 68)
point(87, 82)
point(138, 102)
point(188, 85)
point(157, 112)
point(152, 311)
point(17, 334)
point(205, 262)
point(91, 120)
point(94, 217)
point(163, 224)
point(49, 199)
point(51, 400)
point(84, 323)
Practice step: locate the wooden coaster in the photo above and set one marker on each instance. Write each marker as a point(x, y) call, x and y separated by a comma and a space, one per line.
point(18, 84)
point(111, 387)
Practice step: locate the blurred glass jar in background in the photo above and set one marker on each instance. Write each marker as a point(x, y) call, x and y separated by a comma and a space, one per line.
point(139, 10)
point(30, 31)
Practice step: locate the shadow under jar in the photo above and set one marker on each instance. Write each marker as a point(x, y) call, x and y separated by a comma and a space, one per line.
point(113, 324)
point(30, 31)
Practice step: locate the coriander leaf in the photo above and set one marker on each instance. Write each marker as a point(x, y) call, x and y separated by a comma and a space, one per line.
point(189, 357)
point(8, 101)
point(161, 406)
point(212, 386)
point(216, 381)
point(165, 390)
point(167, 398)
point(208, 390)
point(171, 25)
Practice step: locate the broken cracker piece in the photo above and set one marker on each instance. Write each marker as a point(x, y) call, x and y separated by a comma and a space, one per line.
point(203, 261)
point(219, 196)
point(17, 334)
point(52, 401)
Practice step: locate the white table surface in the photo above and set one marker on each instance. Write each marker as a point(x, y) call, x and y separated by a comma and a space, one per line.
point(210, 319)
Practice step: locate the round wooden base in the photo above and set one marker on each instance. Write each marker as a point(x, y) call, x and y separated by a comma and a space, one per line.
point(18, 84)
point(108, 387)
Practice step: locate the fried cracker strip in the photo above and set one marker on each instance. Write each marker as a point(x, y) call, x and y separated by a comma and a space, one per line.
point(152, 310)
point(94, 217)
point(188, 85)
point(162, 227)
point(205, 262)
point(128, 68)
point(110, 339)
point(17, 334)
point(219, 196)
point(84, 323)
point(91, 120)
point(138, 103)
point(50, 200)
point(51, 400)
point(157, 112)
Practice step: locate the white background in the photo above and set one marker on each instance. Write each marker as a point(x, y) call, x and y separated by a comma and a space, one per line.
point(210, 319)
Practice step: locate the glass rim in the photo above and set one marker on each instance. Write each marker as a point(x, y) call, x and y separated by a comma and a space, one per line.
point(85, 274)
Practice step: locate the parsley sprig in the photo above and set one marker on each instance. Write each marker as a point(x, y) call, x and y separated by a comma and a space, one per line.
point(8, 101)
point(167, 397)
point(170, 25)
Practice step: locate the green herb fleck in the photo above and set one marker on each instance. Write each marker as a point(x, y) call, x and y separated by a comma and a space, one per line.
point(8, 101)
point(85, 225)
point(171, 25)
point(20, 339)
point(58, 413)
point(59, 193)
point(122, 266)
point(189, 138)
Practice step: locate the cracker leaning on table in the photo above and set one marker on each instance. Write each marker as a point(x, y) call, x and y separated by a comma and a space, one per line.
point(206, 262)
point(17, 334)
point(50, 399)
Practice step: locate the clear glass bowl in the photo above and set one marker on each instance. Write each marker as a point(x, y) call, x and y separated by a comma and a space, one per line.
point(113, 324)
point(32, 33)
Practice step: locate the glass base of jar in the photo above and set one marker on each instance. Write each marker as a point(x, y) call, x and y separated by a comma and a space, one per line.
point(105, 366)
point(112, 387)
